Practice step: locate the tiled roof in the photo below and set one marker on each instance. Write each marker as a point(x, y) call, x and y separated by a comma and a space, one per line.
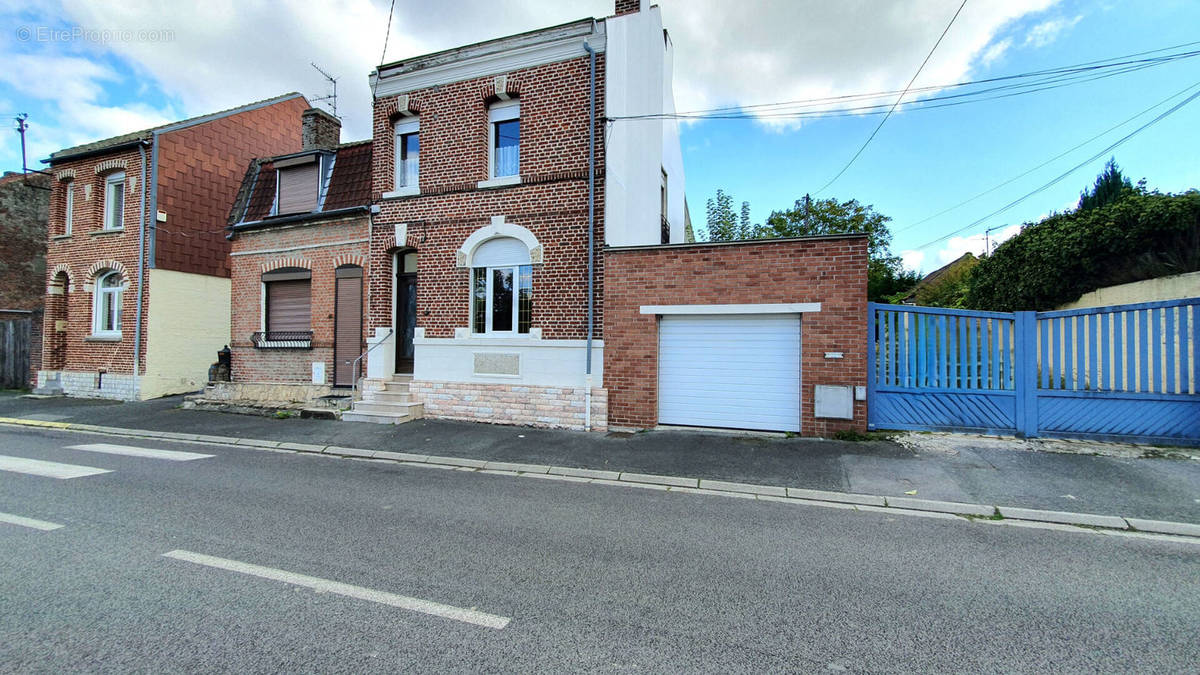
point(147, 133)
point(349, 185)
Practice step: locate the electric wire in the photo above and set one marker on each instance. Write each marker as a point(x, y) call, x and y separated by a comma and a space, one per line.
point(898, 100)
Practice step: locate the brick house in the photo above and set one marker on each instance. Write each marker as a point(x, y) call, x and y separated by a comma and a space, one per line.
point(137, 282)
point(24, 216)
point(516, 277)
point(299, 230)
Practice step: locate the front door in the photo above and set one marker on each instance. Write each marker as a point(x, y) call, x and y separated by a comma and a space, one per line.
point(347, 324)
point(406, 311)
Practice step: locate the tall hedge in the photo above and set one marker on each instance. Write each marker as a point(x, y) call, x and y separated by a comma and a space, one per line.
point(1053, 262)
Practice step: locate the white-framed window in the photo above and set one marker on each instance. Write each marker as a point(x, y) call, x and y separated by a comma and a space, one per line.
point(106, 309)
point(408, 153)
point(504, 139)
point(69, 211)
point(501, 288)
point(114, 201)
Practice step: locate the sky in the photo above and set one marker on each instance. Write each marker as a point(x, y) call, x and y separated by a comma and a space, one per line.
point(86, 70)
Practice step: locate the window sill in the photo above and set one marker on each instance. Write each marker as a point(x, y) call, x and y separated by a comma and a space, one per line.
point(98, 233)
point(103, 338)
point(402, 192)
point(60, 237)
point(502, 181)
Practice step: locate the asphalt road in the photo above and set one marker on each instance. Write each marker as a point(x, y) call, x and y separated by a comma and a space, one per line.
point(588, 577)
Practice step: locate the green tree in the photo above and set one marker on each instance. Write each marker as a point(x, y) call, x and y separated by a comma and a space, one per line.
point(1111, 185)
point(886, 275)
point(723, 223)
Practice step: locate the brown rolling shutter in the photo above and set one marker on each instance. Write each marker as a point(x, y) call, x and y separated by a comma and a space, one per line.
point(347, 341)
point(289, 306)
point(298, 189)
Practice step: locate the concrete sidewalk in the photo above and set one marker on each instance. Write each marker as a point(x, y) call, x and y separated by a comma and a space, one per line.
point(962, 469)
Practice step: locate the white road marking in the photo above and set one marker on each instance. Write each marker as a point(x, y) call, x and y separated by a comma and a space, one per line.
point(133, 451)
point(28, 522)
point(37, 467)
point(325, 586)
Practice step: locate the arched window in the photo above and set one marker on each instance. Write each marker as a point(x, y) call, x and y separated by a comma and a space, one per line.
point(501, 287)
point(114, 201)
point(106, 310)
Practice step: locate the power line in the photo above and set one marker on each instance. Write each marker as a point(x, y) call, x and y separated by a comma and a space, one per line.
point(386, 36)
point(1062, 74)
point(898, 99)
point(1047, 162)
point(1070, 171)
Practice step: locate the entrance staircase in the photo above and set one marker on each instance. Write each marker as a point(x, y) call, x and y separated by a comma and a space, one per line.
point(391, 405)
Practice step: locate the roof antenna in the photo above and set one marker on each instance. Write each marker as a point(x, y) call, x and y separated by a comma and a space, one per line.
point(332, 97)
point(21, 124)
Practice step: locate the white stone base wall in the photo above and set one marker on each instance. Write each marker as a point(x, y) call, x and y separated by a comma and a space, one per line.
point(119, 386)
point(556, 407)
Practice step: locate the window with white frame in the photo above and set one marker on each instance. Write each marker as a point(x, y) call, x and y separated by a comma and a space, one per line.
point(501, 288)
point(504, 139)
point(114, 201)
point(408, 152)
point(69, 211)
point(106, 310)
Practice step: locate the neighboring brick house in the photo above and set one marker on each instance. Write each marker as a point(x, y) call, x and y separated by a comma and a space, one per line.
point(299, 229)
point(137, 263)
point(24, 214)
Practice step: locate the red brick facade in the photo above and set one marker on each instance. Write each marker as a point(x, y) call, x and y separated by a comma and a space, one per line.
point(199, 171)
point(551, 200)
point(828, 270)
point(200, 168)
point(327, 245)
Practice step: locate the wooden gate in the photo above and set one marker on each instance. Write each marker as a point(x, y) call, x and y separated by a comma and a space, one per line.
point(15, 338)
point(1125, 372)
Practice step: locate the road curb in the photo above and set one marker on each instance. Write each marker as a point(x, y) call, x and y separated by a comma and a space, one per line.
point(1081, 522)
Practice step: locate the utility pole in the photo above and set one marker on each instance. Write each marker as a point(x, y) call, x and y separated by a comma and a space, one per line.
point(21, 126)
point(332, 96)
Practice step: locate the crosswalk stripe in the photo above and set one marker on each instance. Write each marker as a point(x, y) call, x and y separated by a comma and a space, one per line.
point(28, 522)
point(133, 451)
point(471, 616)
point(37, 467)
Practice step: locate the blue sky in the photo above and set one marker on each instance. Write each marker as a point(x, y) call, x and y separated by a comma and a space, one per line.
point(168, 62)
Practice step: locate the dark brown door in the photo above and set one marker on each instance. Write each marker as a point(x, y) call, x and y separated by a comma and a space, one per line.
point(347, 330)
point(406, 320)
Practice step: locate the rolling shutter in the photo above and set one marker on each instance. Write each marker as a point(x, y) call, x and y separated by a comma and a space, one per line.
point(298, 189)
point(289, 306)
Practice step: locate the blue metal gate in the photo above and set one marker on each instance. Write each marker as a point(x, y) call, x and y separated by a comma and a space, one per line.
point(1125, 372)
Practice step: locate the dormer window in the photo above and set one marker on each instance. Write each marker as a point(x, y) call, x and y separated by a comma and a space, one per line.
point(408, 151)
point(298, 185)
point(504, 139)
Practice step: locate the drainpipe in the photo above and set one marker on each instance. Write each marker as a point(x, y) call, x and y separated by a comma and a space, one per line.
point(587, 393)
point(137, 329)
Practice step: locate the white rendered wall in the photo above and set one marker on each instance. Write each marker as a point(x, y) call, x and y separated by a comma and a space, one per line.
point(187, 323)
point(672, 154)
point(548, 363)
point(636, 61)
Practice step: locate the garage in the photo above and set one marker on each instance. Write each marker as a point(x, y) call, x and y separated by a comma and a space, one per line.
point(738, 371)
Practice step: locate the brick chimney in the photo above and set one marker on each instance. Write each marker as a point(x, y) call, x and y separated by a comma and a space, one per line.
point(630, 6)
point(320, 130)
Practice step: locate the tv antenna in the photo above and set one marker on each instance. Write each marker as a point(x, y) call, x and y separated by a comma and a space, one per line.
point(332, 96)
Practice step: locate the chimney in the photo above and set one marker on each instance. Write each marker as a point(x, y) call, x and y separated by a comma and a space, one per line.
point(319, 130)
point(630, 6)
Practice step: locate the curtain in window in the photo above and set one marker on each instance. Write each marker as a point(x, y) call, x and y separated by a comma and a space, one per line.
point(508, 148)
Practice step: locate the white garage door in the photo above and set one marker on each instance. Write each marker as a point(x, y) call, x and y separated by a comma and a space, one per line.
point(734, 371)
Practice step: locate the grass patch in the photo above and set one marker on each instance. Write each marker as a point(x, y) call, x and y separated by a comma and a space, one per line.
point(858, 436)
point(284, 414)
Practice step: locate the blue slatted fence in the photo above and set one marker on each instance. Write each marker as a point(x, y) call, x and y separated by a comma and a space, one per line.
point(1125, 372)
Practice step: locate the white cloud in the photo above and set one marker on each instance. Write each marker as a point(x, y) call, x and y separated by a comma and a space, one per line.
point(913, 259)
point(1046, 32)
point(955, 247)
point(995, 51)
point(224, 53)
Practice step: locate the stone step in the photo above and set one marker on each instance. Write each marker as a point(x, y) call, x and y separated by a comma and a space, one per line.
point(398, 387)
point(376, 418)
point(402, 378)
point(387, 397)
point(385, 407)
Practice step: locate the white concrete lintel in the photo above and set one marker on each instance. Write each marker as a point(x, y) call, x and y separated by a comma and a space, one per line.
point(760, 308)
